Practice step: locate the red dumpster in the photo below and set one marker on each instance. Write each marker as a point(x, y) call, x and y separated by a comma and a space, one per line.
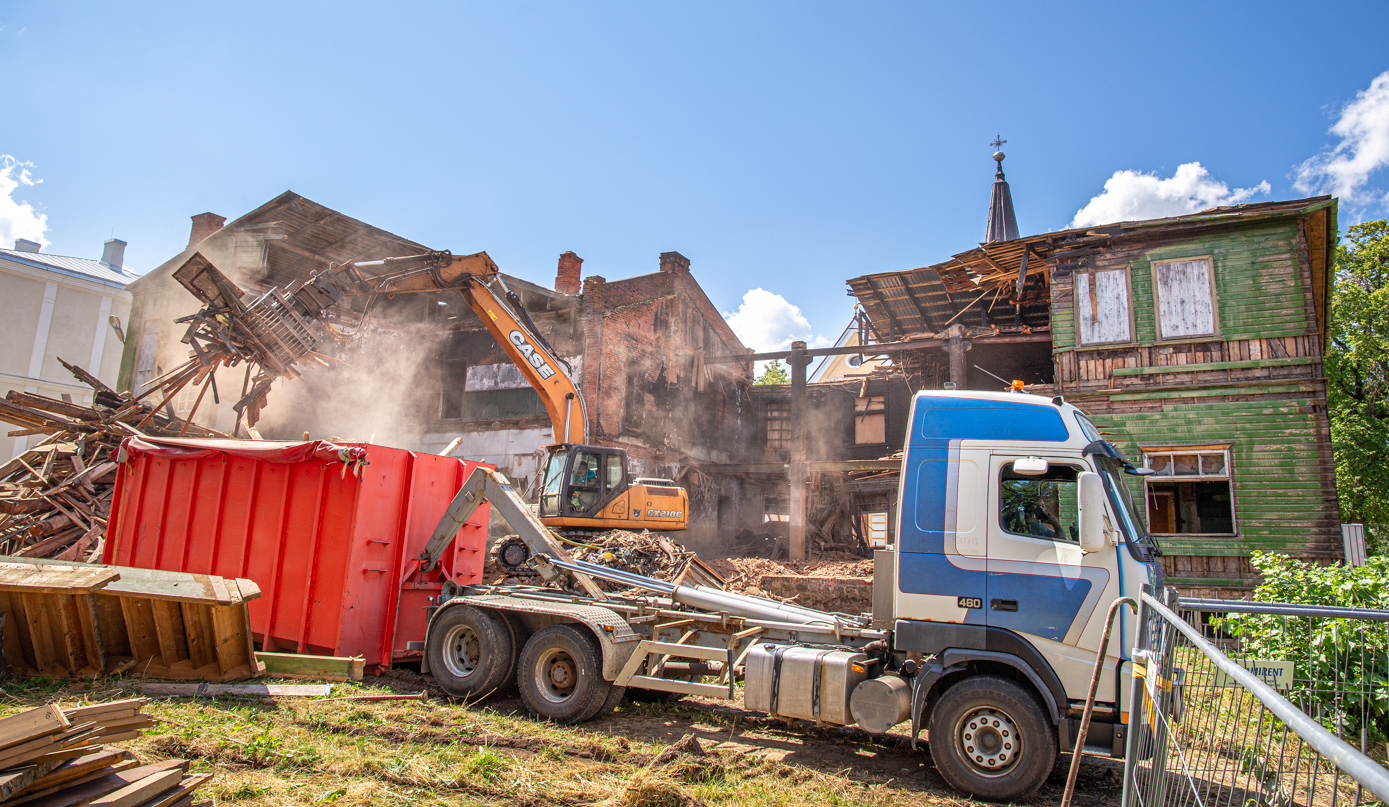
point(333, 542)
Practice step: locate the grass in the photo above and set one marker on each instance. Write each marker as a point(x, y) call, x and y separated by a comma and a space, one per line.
point(309, 752)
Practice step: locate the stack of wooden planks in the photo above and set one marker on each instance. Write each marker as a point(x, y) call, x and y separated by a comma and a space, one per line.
point(75, 619)
point(52, 757)
point(55, 498)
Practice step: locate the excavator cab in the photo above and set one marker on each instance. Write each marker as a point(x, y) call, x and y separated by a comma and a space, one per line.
point(588, 488)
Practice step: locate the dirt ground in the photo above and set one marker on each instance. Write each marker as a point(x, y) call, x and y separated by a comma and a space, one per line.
point(442, 752)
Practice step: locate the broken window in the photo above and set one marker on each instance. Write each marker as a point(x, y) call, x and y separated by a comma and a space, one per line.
point(453, 376)
point(875, 528)
point(778, 424)
point(1102, 307)
point(1185, 298)
point(1190, 492)
point(775, 508)
point(870, 420)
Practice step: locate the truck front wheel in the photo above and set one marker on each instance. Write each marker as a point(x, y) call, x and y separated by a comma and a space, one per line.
point(990, 738)
point(560, 675)
point(471, 652)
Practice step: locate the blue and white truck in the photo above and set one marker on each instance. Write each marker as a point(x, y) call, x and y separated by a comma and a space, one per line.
point(1015, 531)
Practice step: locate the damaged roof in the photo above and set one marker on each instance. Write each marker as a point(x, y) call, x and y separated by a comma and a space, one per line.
point(930, 299)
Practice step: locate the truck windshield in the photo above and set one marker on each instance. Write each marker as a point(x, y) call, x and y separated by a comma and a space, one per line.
point(553, 485)
point(1120, 499)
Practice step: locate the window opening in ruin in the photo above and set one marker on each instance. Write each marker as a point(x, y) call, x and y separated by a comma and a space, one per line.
point(875, 527)
point(1044, 506)
point(870, 420)
point(778, 424)
point(775, 508)
point(149, 352)
point(1190, 491)
point(1185, 298)
point(453, 376)
point(1102, 307)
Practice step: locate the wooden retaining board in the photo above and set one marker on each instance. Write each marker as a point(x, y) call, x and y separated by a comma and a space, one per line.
point(69, 619)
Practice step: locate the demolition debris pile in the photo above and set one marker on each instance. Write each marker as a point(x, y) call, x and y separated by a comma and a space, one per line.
point(54, 756)
point(55, 498)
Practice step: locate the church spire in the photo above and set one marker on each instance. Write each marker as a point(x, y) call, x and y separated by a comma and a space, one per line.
point(1003, 224)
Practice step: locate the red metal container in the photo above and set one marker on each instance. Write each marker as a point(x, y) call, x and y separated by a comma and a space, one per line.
point(333, 544)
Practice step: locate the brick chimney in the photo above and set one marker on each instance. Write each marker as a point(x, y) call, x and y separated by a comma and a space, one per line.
point(675, 262)
point(570, 270)
point(205, 224)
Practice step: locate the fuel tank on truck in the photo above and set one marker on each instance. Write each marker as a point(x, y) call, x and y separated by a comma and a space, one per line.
point(330, 532)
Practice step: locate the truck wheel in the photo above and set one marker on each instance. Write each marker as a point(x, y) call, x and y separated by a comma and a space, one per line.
point(615, 697)
point(990, 738)
point(471, 652)
point(560, 675)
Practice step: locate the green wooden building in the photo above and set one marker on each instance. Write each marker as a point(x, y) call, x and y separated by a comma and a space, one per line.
point(1195, 342)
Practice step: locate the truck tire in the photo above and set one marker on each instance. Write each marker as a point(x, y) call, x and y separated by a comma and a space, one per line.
point(991, 739)
point(471, 652)
point(560, 675)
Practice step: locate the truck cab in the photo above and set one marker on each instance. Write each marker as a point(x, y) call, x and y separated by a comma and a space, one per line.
point(995, 579)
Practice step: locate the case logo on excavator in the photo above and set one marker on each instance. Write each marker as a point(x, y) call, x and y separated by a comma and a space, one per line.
point(532, 355)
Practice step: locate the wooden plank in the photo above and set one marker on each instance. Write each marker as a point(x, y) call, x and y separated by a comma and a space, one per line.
point(200, 634)
point(139, 626)
point(103, 787)
point(90, 624)
point(40, 631)
point(18, 779)
point(53, 579)
point(97, 710)
point(70, 647)
point(168, 629)
point(70, 773)
point(322, 668)
point(182, 793)
point(229, 641)
point(262, 690)
point(34, 723)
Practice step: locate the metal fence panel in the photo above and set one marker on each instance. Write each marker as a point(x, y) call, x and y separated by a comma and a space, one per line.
point(1210, 723)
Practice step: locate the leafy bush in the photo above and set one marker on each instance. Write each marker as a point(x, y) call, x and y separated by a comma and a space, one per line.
point(1341, 670)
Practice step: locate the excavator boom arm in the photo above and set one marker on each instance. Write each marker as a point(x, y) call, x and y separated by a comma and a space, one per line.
point(477, 278)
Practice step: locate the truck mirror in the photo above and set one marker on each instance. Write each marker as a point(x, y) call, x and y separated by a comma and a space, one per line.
point(1030, 466)
point(1093, 522)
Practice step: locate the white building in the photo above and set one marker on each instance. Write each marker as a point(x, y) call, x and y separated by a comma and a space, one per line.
point(52, 307)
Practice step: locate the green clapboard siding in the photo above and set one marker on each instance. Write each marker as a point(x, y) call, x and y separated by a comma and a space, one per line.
point(1259, 293)
point(1282, 502)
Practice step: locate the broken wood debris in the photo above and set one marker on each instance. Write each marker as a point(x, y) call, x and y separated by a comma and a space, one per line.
point(54, 757)
point(643, 553)
point(55, 498)
point(75, 619)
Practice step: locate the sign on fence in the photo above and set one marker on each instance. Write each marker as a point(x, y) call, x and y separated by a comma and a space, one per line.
point(1277, 674)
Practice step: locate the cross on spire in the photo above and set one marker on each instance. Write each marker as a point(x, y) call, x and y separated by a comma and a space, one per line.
point(998, 142)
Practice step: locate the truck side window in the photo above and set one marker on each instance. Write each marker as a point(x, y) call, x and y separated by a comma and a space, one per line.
point(1044, 506)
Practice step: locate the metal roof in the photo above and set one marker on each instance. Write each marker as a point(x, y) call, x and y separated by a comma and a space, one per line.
point(84, 268)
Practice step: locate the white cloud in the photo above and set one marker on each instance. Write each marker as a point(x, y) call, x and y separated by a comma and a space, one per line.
point(1364, 148)
point(1134, 196)
point(766, 322)
point(17, 217)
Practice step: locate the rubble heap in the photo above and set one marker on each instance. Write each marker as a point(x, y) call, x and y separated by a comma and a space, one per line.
point(643, 553)
point(55, 498)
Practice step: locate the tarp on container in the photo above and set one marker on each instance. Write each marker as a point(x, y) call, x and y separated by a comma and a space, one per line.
point(263, 450)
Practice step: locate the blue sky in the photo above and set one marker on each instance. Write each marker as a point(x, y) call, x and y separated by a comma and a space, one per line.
point(780, 146)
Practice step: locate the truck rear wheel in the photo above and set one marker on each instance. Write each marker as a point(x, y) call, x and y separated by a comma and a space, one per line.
point(560, 675)
point(990, 738)
point(471, 652)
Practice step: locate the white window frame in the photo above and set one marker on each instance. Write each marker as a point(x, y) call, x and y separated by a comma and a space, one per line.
point(1157, 300)
point(1132, 337)
point(1149, 452)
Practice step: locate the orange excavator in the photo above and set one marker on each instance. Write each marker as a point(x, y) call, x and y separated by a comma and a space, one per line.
point(585, 488)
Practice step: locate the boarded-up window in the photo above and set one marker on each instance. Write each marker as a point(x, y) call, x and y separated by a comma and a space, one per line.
point(1102, 303)
point(870, 420)
point(1185, 303)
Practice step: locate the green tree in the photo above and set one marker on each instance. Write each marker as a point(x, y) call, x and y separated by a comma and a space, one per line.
point(774, 373)
point(1357, 364)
